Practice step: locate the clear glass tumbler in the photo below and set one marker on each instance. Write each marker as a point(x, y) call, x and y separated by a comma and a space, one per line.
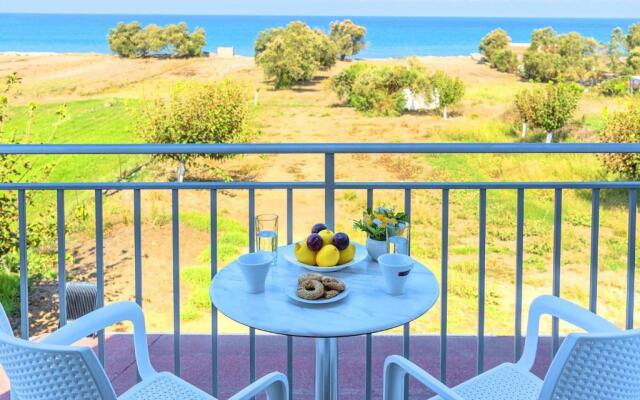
point(398, 238)
point(267, 234)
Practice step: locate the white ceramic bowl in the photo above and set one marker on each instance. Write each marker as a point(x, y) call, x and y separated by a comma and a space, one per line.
point(361, 255)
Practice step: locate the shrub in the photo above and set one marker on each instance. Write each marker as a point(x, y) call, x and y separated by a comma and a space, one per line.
point(614, 87)
point(549, 107)
point(450, 90)
point(326, 50)
point(379, 89)
point(633, 61)
point(495, 47)
point(196, 113)
point(622, 127)
point(290, 55)
point(348, 37)
point(131, 40)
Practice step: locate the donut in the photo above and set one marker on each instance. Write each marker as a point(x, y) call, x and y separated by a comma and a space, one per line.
point(311, 289)
point(331, 293)
point(333, 283)
point(309, 277)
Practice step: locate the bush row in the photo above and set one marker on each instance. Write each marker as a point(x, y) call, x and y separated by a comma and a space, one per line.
point(294, 54)
point(132, 40)
point(381, 89)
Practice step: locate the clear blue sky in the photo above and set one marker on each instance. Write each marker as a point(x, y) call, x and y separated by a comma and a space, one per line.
point(498, 8)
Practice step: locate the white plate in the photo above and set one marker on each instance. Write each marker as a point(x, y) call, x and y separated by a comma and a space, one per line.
point(291, 292)
point(361, 255)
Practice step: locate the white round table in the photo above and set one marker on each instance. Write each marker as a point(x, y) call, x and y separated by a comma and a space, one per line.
point(367, 308)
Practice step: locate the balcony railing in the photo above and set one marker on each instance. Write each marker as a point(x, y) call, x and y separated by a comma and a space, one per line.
point(329, 185)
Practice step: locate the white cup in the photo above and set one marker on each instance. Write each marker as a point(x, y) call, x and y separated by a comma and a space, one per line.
point(255, 267)
point(395, 270)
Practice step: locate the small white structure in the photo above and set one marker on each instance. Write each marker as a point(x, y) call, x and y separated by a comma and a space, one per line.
point(225, 52)
point(417, 101)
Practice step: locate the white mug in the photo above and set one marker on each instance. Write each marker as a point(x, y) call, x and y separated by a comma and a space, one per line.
point(254, 268)
point(395, 270)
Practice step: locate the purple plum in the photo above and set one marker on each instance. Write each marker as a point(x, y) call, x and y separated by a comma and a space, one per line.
point(341, 240)
point(314, 242)
point(318, 227)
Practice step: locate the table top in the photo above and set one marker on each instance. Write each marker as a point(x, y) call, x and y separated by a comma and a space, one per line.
point(367, 308)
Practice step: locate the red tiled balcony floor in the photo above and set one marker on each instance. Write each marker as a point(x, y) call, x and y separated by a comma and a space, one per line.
point(271, 355)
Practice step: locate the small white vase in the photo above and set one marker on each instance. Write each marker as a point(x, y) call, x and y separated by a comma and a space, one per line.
point(376, 248)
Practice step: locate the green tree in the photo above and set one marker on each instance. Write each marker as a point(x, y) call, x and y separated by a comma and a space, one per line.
point(449, 91)
point(527, 104)
point(289, 55)
point(196, 113)
point(622, 127)
point(349, 37)
point(182, 43)
point(495, 48)
point(615, 50)
point(632, 40)
point(151, 39)
point(326, 50)
point(264, 38)
point(633, 61)
point(123, 39)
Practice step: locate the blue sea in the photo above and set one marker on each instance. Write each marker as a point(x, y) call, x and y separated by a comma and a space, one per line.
point(386, 36)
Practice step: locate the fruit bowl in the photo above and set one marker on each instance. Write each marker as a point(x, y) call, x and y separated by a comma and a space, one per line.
point(360, 255)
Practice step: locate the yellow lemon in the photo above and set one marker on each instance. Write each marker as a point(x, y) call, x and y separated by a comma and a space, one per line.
point(327, 236)
point(347, 254)
point(304, 254)
point(328, 256)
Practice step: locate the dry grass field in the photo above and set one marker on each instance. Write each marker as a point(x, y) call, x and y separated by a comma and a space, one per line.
point(97, 88)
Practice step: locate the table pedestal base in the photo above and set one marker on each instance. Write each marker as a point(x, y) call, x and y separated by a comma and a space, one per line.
point(326, 369)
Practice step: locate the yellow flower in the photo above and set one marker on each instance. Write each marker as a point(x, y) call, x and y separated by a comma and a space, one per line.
point(394, 221)
point(367, 220)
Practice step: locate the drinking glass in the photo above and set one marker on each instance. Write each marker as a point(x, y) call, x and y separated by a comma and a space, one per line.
point(267, 234)
point(398, 237)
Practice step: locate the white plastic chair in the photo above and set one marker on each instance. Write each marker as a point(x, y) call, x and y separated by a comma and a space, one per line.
point(54, 370)
point(601, 364)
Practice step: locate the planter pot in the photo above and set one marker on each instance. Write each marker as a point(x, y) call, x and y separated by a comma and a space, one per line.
point(376, 248)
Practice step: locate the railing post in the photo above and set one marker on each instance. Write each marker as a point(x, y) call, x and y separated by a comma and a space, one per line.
point(24, 275)
point(329, 190)
point(62, 292)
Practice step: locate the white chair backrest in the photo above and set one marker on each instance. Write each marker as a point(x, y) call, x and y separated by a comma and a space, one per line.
point(50, 372)
point(595, 367)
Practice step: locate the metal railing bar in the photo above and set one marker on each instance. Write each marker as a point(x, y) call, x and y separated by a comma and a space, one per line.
point(368, 336)
point(99, 267)
point(519, 273)
point(160, 185)
point(213, 213)
point(137, 244)
point(444, 283)
point(406, 329)
point(481, 277)
point(252, 248)
point(319, 148)
point(631, 257)
point(290, 338)
point(24, 280)
point(175, 234)
point(329, 190)
point(486, 185)
point(316, 185)
point(557, 248)
point(595, 228)
point(62, 274)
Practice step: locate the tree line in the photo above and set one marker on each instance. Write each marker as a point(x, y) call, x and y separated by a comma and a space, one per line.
point(570, 56)
point(131, 40)
point(293, 54)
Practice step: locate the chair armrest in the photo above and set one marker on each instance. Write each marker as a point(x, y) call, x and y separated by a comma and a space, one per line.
point(102, 318)
point(395, 370)
point(565, 310)
point(275, 384)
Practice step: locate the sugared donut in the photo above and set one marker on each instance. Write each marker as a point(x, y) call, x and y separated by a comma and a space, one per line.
point(333, 283)
point(309, 277)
